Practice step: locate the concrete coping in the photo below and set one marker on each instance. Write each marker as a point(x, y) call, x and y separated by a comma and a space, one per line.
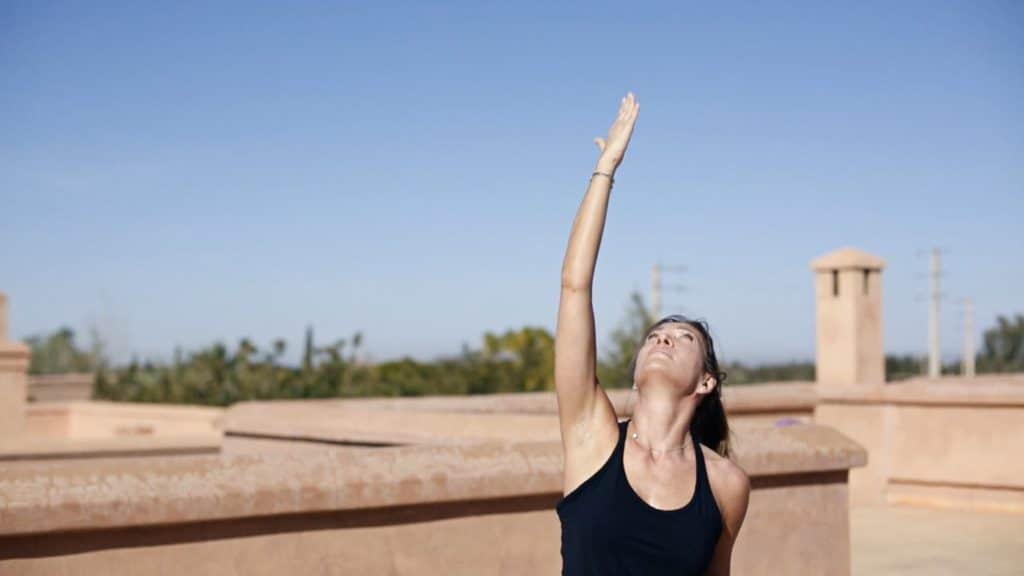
point(425, 421)
point(1003, 392)
point(22, 448)
point(350, 424)
point(765, 397)
point(14, 357)
point(59, 387)
point(847, 259)
point(111, 493)
point(78, 378)
point(769, 397)
point(101, 408)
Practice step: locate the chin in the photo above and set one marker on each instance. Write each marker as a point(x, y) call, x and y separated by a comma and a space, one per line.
point(685, 384)
point(658, 373)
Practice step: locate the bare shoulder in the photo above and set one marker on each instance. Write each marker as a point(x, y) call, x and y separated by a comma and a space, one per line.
point(730, 485)
point(725, 473)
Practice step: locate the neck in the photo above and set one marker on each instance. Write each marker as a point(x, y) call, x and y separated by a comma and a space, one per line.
point(662, 420)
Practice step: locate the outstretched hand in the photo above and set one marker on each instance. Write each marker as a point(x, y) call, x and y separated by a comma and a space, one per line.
point(614, 148)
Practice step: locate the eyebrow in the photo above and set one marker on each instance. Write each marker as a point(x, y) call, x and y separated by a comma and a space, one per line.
point(684, 328)
point(690, 331)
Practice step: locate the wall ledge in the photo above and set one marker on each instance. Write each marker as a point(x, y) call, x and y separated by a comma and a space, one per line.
point(955, 392)
point(109, 493)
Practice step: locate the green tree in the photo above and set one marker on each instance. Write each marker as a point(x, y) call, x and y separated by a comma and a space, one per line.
point(615, 367)
point(528, 356)
point(1003, 346)
point(739, 373)
point(901, 367)
point(59, 353)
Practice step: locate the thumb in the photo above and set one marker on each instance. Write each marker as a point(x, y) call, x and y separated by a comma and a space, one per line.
point(600, 143)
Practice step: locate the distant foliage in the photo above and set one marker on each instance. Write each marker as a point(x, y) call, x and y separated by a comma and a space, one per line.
point(1003, 346)
point(615, 367)
point(737, 373)
point(527, 358)
point(903, 367)
point(514, 361)
point(58, 353)
point(1002, 350)
point(518, 360)
point(218, 376)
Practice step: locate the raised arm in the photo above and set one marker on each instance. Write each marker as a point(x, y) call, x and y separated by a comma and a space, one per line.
point(580, 398)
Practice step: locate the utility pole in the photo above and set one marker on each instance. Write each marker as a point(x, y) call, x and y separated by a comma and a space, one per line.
point(657, 287)
point(967, 363)
point(656, 292)
point(934, 362)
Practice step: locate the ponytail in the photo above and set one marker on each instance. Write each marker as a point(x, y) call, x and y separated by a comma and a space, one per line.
point(710, 426)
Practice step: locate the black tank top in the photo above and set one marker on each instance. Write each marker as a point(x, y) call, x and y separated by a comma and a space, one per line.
point(608, 529)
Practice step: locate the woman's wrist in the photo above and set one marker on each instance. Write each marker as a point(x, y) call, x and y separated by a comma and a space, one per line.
point(606, 165)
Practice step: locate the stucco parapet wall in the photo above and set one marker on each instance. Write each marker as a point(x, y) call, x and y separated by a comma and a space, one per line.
point(61, 496)
point(392, 423)
point(352, 424)
point(28, 448)
point(955, 392)
point(60, 387)
point(103, 409)
point(46, 380)
point(14, 357)
point(769, 397)
point(740, 399)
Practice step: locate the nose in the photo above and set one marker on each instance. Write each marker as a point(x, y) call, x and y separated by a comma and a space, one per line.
point(662, 339)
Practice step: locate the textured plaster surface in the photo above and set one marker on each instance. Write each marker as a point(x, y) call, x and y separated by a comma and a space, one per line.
point(944, 443)
point(763, 398)
point(1004, 391)
point(109, 493)
point(898, 541)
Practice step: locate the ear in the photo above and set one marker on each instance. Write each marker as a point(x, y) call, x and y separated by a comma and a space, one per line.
point(707, 384)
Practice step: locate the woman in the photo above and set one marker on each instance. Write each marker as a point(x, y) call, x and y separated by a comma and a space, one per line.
point(649, 495)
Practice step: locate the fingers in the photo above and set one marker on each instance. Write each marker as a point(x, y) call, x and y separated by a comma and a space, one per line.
point(622, 128)
point(628, 106)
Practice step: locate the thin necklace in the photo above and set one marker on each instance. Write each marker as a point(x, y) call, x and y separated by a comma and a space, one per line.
point(636, 438)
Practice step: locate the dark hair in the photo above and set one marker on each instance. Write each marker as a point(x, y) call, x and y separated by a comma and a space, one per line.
point(709, 426)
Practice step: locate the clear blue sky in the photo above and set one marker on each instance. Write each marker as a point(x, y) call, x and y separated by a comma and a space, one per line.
point(180, 173)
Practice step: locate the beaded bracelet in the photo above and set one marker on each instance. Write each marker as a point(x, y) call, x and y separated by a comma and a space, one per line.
point(605, 174)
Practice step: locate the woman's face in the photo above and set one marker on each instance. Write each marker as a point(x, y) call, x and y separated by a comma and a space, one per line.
point(675, 350)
